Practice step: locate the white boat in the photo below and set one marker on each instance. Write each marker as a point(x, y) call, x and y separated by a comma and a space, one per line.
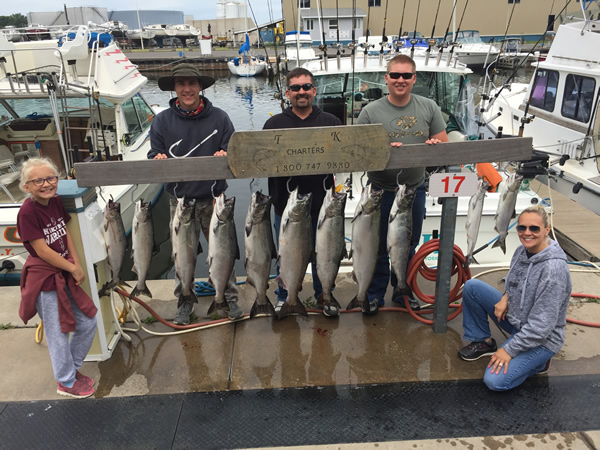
point(298, 49)
point(56, 98)
point(344, 92)
point(141, 35)
point(246, 65)
point(560, 111)
point(472, 51)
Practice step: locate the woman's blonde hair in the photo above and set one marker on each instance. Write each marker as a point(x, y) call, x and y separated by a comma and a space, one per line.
point(31, 164)
point(540, 211)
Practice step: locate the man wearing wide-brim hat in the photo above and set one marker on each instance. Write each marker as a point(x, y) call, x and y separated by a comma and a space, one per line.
point(192, 126)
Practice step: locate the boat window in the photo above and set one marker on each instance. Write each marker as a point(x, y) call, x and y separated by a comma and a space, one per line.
point(544, 89)
point(5, 115)
point(578, 97)
point(138, 115)
point(333, 24)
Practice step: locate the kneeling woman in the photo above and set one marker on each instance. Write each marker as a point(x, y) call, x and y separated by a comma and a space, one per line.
point(533, 308)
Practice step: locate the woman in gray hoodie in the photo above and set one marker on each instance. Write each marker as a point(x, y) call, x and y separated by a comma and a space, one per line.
point(533, 308)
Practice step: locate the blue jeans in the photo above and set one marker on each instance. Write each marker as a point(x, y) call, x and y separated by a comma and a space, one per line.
point(381, 278)
point(281, 292)
point(479, 299)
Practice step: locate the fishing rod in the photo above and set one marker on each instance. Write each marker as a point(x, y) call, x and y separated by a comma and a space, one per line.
point(454, 36)
point(323, 46)
point(443, 43)
point(514, 73)
point(338, 45)
point(431, 41)
point(366, 43)
point(413, 41)
point(400, 31)
point(278, 80)
point(352, 47)
point(384, 38)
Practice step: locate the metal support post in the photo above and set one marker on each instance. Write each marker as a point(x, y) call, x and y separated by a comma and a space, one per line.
point(445, 256)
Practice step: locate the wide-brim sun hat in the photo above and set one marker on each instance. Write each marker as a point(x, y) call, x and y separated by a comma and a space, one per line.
point(184, 70)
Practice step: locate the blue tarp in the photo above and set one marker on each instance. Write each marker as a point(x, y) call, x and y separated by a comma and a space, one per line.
point(245, 46)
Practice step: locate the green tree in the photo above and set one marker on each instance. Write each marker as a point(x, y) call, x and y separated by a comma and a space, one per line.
point(16, 20)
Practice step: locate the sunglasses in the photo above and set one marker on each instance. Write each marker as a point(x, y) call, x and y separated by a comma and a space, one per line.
point(41, 181)
point(532, 228)
point(297, 87)
point(396, 75)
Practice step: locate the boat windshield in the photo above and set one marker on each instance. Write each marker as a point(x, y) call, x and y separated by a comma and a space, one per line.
point(469, 37)
point(345, 94)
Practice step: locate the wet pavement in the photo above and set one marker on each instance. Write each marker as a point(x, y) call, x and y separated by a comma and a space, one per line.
point(298, 354)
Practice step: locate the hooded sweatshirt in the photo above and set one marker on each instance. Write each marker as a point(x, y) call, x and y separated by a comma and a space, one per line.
point(179, 136)
point(539, 290)
point(278, 187)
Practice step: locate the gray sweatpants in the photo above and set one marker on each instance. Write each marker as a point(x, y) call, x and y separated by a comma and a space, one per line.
point(66, 354)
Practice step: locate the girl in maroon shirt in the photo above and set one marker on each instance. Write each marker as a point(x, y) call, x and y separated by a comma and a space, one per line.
point(41, 223)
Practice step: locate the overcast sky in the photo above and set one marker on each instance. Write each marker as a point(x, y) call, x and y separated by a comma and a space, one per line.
point(200, 9)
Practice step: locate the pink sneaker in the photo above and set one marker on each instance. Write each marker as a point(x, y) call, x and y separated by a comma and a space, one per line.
point(84, 378)
point(79, 390)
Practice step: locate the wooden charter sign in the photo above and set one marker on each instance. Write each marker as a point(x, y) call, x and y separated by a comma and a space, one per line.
point(308, 151)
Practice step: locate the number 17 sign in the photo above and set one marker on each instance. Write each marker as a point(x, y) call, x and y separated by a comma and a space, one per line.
point(453, 184)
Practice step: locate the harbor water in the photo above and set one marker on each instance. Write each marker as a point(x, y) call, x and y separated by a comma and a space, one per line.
point(249, 102)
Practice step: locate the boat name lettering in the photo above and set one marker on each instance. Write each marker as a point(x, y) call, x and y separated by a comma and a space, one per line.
point(305, 151)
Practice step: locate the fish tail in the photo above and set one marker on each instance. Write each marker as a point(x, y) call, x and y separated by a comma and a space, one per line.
point(137, 290)
point(401, 292)
point(288, 310)
point(107, 287)
point(329, 299)
point(355, 303)
point(500, 243)
point(214, 307)
point(265, 309)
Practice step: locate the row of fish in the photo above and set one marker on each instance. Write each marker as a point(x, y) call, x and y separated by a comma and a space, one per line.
point(296, 249)
point(504, 214)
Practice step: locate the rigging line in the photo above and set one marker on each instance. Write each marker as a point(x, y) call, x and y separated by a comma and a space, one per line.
point(514, 74)
point(260, 40)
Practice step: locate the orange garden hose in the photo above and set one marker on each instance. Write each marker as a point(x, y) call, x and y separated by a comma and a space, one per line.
point(417, 266)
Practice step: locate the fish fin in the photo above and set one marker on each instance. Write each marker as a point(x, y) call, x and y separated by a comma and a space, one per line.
point(264, 310)
point(354, 304)
point(273, 250)
point(350, 254)
point(331, 300)
point(284, 224)
point(134, 269)
point(143, 290)
point(392, 217)
point(401, 292)
point(199, 249)
point(237, 251)
point(356, 216)
point(250, 281)
point(248, 228)
point(288, 310)
point(320, 222)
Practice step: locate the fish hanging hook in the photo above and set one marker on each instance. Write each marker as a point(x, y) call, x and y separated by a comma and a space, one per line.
point(133, 191)
point(398, 178)
point(362, 186)
point(100, 194)
point(287, 185)
point(212, 189)
point(325, 183)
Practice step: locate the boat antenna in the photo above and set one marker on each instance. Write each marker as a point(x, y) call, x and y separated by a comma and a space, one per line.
point(431, 41)
point(444, 44)
point(384, 38)
point(454, 37)
point(413, 41)
point(514, 73)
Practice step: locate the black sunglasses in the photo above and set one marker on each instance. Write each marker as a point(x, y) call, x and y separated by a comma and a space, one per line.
point(532, 228)
point(405, 75)
point(297, 87)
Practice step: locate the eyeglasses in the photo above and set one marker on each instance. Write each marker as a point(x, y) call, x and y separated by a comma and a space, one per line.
point(405, 75)
point(532, 228)
point(41, 181)
point(297, 87)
